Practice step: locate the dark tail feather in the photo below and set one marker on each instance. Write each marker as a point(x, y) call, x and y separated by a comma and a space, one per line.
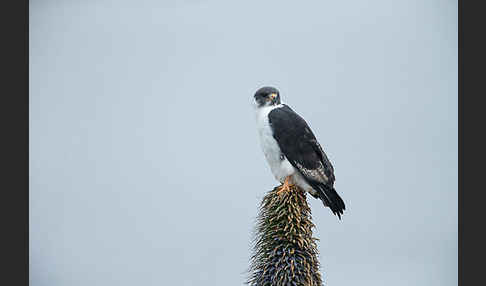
point(330, 198)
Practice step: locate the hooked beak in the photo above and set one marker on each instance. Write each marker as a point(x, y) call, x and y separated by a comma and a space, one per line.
point(273, 96)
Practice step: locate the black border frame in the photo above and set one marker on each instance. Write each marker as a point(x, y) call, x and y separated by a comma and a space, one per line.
point(471, 236)
point(14, 213)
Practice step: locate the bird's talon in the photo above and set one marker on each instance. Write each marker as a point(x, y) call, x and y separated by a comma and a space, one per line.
point(285, 186)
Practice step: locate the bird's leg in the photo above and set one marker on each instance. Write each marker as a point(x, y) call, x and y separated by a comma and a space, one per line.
point(285, 186)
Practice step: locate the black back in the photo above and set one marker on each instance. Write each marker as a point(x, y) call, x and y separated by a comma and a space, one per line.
point(299, 144)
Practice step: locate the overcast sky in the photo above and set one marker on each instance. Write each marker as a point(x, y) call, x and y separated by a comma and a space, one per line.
point(145, 165)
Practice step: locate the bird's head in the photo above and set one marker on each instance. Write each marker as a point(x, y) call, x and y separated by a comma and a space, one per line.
point(267, 96)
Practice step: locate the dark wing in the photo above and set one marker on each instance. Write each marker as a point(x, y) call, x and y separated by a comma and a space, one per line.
point(299, 145)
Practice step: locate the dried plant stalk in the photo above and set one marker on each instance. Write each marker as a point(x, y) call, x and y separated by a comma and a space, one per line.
point(285, 253)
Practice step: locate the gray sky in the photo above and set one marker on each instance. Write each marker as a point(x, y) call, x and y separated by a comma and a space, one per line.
point(145, 166)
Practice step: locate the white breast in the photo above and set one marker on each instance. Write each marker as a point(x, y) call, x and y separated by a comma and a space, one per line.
point(280, 168)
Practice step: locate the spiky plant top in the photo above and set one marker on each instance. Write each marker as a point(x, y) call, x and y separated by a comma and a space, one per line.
point(285, 253)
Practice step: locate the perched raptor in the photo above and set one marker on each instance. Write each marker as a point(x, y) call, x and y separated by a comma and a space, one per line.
point(292, 150)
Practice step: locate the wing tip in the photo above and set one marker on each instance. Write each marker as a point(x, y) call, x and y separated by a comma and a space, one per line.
point(330, 198)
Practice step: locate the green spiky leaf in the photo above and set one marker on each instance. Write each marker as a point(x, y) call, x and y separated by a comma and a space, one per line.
point(285, 253)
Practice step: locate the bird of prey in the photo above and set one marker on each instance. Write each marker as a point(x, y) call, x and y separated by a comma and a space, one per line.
point(292, 150)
